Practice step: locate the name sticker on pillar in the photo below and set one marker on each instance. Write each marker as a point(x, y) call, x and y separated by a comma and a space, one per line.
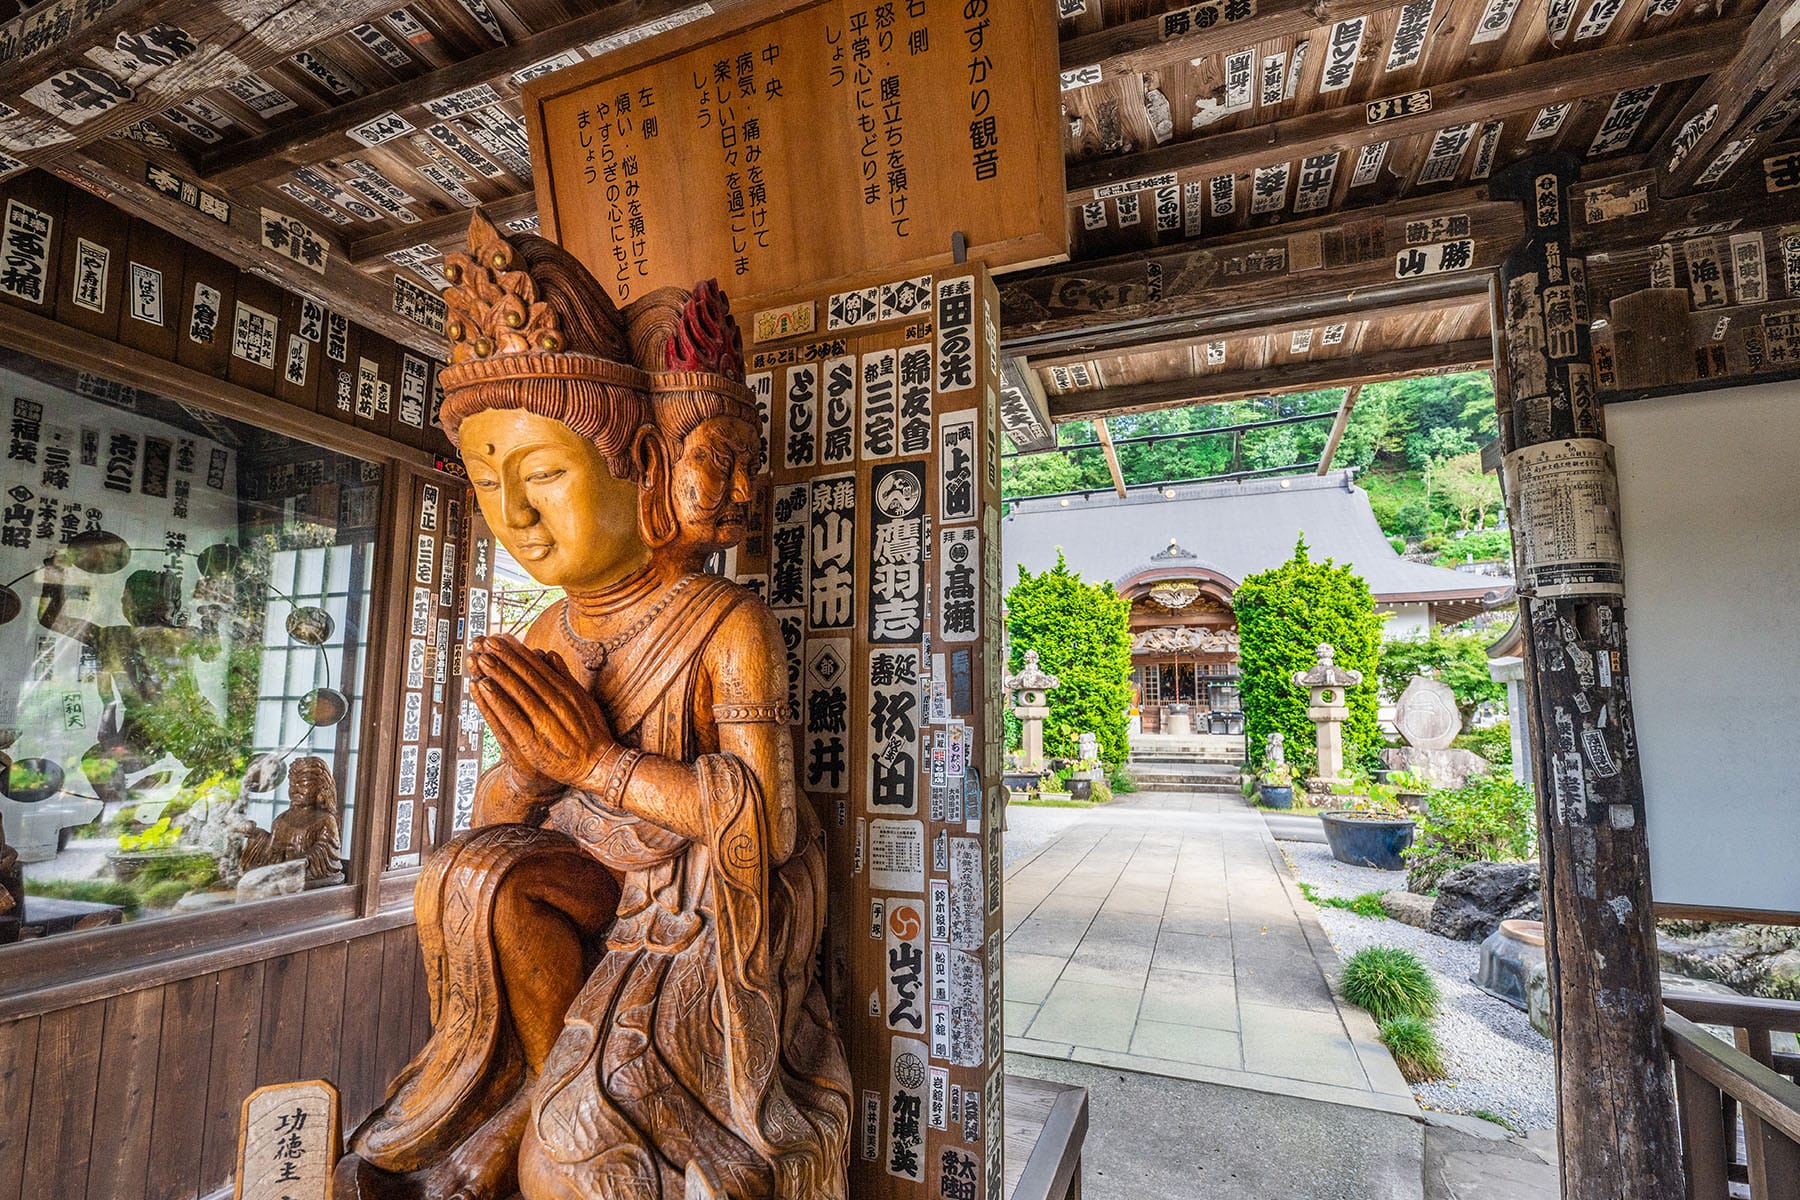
point(1568, 503)
point(787, 547)
point(897, 552)
point(904, 942)
point(838, 421)
point(906, 1110)
point(894, 731)
point(800, 446)
point(830, 572)
point(25, 253)
point(956, 334)
point(959, 594)
point(288, 1141)
point(915, 399)
point(880, 403)
point(827, 715)
point(956, 465)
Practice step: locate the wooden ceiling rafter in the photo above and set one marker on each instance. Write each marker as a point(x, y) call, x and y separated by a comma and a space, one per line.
point(322, 136)
point(1310, 376)
point(1721, 128)
point(1610, 69)
point(257, 34)
point(1134, 46)
point(370, 251)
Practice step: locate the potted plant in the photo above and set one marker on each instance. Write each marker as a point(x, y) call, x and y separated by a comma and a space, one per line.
point(1081, 779)
point(1410, 789)
point(1371, 828)
point(1275, 786)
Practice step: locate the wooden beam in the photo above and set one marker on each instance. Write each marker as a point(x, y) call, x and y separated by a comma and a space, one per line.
point(1187, 289)
point(1683, 54)
point(1728, 110)
point(1337, 428)
point(1111, 455)
point(1364, 311)
point(450, 229)
point(113, 170)
point(229, 40)
point(1135, 46)
point(315, 138)
point(1310, 376)
point(1616, 1120)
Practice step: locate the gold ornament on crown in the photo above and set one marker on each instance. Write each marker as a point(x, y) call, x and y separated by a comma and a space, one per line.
point(494, 309)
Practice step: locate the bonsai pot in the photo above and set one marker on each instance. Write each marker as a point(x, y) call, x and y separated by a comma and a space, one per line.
point(1507, 958)
point(1413, 800)
point(1022, 781)
point(1276, 797)
point(1081, 789)
point(1368, 839)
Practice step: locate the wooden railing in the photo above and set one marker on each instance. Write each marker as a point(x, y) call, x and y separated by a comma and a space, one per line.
point(1740, 1105)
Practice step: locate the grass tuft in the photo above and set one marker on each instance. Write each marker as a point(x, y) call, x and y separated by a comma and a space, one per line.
point(1389, 982)
point(1414, 1045)
point(1366, 905)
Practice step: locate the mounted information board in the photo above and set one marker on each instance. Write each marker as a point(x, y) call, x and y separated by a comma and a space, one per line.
point(791, 146)
point(1709, 502)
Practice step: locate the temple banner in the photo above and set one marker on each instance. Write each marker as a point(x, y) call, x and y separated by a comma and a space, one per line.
point(833, 139)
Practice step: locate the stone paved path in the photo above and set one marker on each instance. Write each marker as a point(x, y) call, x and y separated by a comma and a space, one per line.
point(1162, 933)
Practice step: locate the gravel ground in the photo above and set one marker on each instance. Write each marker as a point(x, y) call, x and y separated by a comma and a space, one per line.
point(1030, 828)
point(1496, 1060)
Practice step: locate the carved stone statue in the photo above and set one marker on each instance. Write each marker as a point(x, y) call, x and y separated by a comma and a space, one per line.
point(308, 829)
point(621, 954)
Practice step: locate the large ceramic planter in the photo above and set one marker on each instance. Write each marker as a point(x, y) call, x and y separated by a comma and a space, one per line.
point(1507, 958)
point(1081, 789)
point(1368, 839)
point(1276, 797)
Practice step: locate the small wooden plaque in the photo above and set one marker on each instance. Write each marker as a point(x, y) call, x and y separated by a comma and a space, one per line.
point(289, 1138)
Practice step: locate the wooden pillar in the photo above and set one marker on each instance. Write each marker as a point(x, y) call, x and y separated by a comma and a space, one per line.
point(1616, 1112)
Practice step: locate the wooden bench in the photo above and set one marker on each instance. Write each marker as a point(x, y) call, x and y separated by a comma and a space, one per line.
point(1046, 1124)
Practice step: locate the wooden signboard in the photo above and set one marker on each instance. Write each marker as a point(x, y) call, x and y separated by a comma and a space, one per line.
point(288, 1142)
point(881, 564)
point(807, 143)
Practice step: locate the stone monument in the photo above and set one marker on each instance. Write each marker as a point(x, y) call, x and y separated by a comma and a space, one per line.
point(622, 953)
point(1428, 718)
point(1028, 693)
point(1274, 755)
point(1329, 708)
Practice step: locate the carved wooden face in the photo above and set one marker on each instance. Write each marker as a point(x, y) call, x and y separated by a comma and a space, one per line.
point(549, 498)
point(709, 485)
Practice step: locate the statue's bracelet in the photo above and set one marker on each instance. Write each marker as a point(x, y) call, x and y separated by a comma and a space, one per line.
point(613, 773)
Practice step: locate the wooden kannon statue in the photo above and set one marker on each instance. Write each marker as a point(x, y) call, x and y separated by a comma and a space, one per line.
point(621, 954)
point(308, 829)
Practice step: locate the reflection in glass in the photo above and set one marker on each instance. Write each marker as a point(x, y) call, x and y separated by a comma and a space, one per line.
point(189, 599)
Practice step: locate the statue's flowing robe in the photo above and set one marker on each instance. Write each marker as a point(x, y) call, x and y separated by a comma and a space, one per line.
point(702, 1035)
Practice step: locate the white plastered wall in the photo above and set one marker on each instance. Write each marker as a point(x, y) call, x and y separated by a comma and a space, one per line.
point(1710, 517)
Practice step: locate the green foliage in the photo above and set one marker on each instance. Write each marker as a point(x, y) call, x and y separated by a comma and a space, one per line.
point(1459, 659)
point(92, 891)
point(1119, 780)
point(1082, 634)
point(1283, 615)
point(1492, 818)
point(1488, 1114)
point(1484, 546)
point(1493, 743)
point(1388, 982)
point(160, 836)
point(165, 892)
point(1363, 793)
point(1366, 905)
point(1414, 1045)
point(1276, 775)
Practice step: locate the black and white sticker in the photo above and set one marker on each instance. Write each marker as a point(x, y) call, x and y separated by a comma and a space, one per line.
point(801, 406)
point(1341, 51)
point(1485, 150)
point(324, 72)
point(259, 97)
point(905, 1156)
point(1222, 193)
point(1549, 121)
point(1622, 121)
point(1317, 174)
point(830, 569)
point(1440, 259)
point(956, 334)
point(203, 322)
point(1445, 157)
point(295, 369)
point(1268, 189)
point(825, 766)
point(1409, 35)
point(897, 554)
point(91, 263)
point(253, 336)
point(1496, 19)
point(959, 584)
point(384, 128)
point(915, 399)
point(1368, 164)
point(893, 786)
point(144, 294)
point(880, 407)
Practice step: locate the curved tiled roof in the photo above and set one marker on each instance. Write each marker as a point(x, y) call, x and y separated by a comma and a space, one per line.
point(1233, 529)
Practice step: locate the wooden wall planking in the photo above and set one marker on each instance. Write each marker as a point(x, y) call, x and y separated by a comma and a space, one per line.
point(137, 1097)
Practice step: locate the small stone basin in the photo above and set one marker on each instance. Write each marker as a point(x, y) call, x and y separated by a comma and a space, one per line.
point(1507, 958)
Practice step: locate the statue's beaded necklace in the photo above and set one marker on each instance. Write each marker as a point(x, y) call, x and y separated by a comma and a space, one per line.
point(593, 653)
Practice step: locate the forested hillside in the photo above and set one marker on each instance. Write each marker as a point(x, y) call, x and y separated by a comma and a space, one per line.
point(1415, 444)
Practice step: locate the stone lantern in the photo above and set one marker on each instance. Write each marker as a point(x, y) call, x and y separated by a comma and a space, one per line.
point(1028, 692)
point(1329, 709)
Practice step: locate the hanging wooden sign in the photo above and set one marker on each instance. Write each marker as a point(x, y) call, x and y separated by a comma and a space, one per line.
point(810, 142)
